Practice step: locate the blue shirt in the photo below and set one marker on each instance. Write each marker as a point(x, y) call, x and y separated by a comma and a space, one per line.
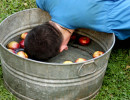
point(110, 16)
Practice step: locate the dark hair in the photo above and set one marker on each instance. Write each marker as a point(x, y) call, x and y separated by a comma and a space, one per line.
point(43, 42)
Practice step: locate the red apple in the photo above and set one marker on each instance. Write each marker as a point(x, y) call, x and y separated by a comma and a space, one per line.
point(21, 43)
point(73, 37)
point(84, 40)
point(80, 60)
point(13, 45)
point(12, 50)
point(22, 54)
point(67, 62)
point(97, 53)
point(23, 35)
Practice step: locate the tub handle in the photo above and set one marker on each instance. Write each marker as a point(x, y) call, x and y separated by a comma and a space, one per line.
point(80, 73)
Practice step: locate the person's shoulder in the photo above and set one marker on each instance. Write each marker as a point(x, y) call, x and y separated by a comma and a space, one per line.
point(41, 4)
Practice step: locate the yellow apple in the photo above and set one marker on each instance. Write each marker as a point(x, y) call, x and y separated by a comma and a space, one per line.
point(97, 53)
point(67, 62)
point(13, 45)
point(80, 60)
point(23, 35)
point(22, 54)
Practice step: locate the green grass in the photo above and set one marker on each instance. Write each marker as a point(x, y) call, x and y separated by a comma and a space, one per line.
point(116, 84)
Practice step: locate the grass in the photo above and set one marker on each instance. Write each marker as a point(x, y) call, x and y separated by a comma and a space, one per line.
point(116, 84)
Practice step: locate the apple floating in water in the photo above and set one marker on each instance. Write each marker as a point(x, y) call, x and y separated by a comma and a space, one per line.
point(97, 54)
point(84, 40)
point(21, 43)
point(67, 62)
point(80, 60)
point(73, 37)
point(23, 35)
point(22, 54)
point(13, 45)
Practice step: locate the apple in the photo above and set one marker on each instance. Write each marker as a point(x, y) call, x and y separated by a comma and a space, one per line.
point(97, 53)
point(12, 50)
point(73, 37)
point(67, 62)
point(13, 45)
point(84, 40)
point(21, 43)
point(23, 35)
point(22, 54)
point(80, 60)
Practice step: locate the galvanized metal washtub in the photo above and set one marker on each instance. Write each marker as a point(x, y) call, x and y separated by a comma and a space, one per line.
point(33, 80)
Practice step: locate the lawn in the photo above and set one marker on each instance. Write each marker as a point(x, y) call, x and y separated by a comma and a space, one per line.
point(116, 84)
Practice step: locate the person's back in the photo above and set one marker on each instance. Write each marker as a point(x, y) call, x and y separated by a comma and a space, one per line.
point(110, 16)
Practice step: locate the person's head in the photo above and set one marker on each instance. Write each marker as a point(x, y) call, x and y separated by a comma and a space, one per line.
point(43, 42)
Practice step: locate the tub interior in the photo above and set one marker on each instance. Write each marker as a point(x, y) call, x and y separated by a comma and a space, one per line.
point(75, 49)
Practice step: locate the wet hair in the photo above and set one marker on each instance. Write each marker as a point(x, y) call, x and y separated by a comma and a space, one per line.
point(43, 42)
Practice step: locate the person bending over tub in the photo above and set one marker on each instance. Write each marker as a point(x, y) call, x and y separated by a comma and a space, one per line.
point(49, 39)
